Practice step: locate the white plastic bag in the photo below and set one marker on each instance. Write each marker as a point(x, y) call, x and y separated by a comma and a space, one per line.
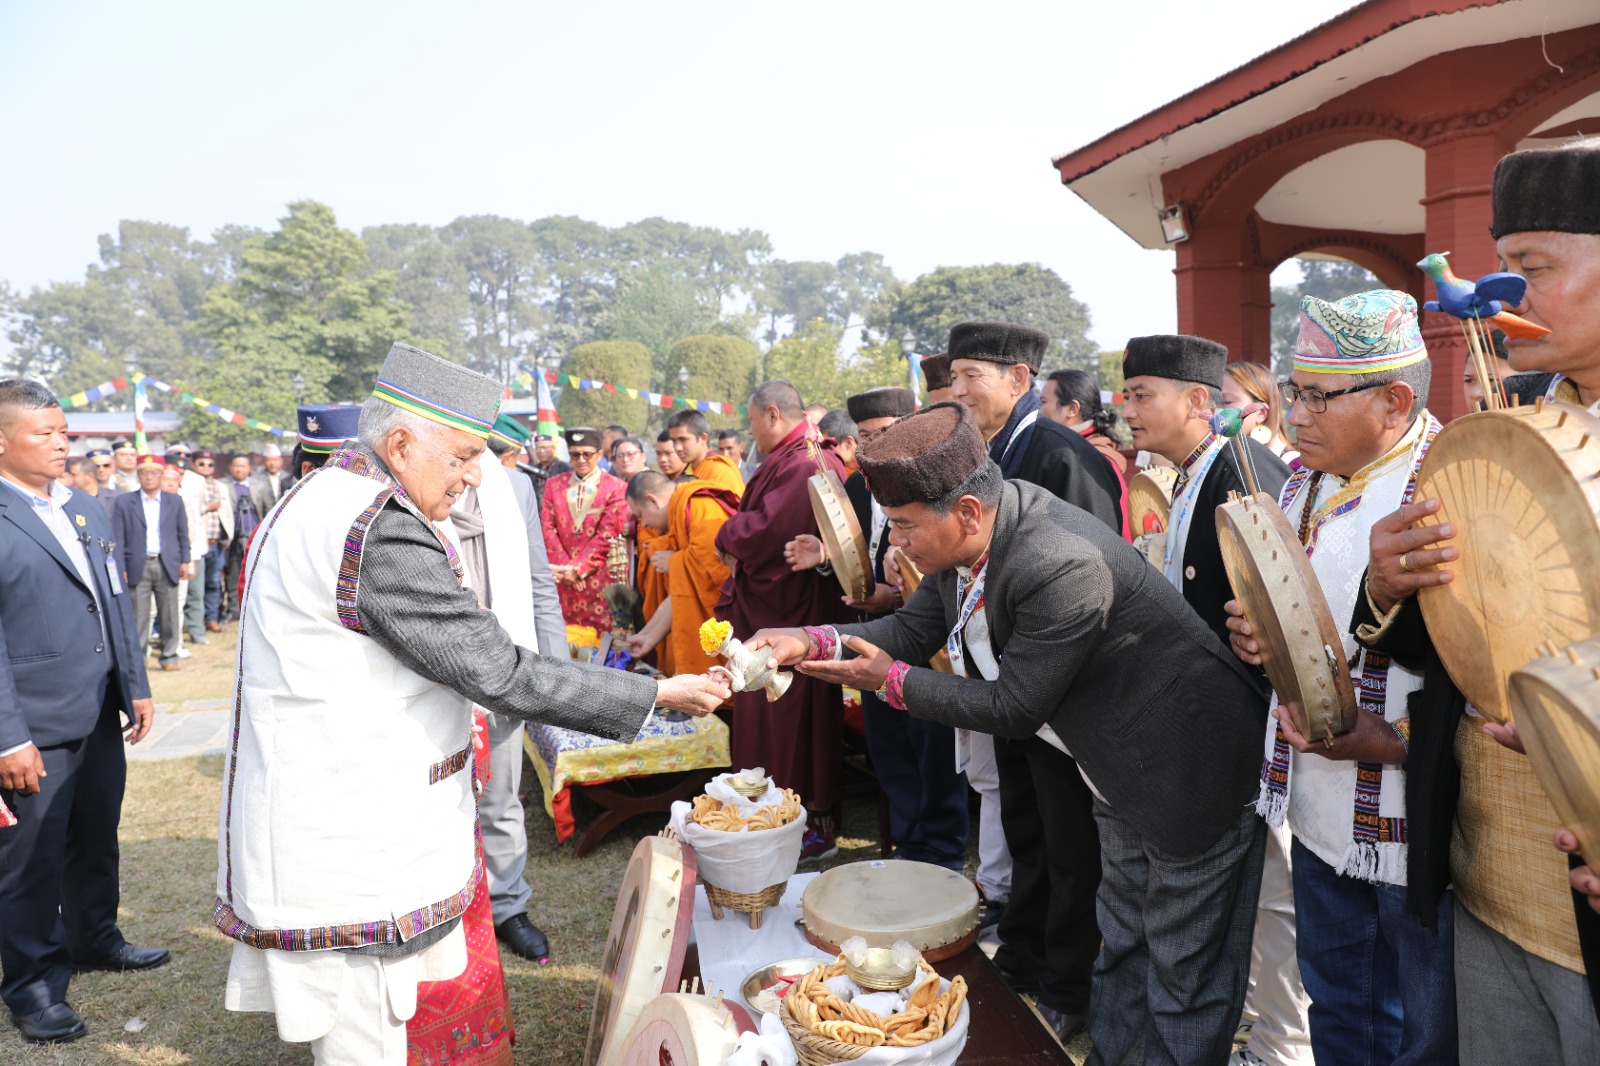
point(751, 859)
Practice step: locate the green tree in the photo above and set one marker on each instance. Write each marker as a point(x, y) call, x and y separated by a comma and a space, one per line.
point(1024, 293)
point(621, 363)
point(808, 359)
point(502, 266)
point(1110, 372)
point(429, 279)
point(1326, 279)
point(303, 302)
point(720, 368)
point(657, 307)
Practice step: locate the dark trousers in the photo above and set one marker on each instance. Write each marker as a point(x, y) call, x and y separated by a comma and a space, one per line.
point(230, 580)
point(154, 584)
point(1048, 932)
point(1176, 961)
point(915, 761)
point(216, 562)
point(58, 866)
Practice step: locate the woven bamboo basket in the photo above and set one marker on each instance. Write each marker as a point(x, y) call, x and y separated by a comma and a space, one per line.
point(751, 903)
point(817, 1050)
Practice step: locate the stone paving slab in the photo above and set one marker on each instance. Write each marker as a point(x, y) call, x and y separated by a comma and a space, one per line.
point(177, 734)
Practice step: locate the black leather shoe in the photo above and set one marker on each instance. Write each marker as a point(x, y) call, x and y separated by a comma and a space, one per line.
point(127, 957)
point(1064, 1026)
point(56, 1024)
point(524, 938)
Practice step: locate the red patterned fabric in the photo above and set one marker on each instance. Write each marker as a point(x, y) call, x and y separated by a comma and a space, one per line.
point(585, 546)
point(467, 1020)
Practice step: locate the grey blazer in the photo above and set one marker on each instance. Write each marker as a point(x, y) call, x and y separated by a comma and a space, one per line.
point(1093, 641)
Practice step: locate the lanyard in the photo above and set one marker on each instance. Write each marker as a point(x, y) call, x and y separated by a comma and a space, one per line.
point(971, 599)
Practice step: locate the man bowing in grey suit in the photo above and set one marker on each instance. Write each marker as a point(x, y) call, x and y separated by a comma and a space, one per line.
point(1057, 627)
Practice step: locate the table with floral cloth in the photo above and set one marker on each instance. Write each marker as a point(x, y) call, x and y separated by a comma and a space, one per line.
point(565, 757)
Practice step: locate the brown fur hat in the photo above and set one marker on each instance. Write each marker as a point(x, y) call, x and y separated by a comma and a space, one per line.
point(923, 457)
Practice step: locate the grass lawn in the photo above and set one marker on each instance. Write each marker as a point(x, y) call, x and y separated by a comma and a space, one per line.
point(169, 850)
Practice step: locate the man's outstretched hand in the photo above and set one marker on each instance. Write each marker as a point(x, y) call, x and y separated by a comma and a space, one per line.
point(693, 694)
point(787, 646)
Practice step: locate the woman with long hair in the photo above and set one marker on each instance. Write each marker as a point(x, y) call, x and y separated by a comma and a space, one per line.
point(1247, 383)
point(1072, 398)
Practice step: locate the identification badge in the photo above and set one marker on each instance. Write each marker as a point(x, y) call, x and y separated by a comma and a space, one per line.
point(113, 576)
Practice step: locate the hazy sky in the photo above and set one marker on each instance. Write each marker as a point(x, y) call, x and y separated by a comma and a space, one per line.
point(920, 130)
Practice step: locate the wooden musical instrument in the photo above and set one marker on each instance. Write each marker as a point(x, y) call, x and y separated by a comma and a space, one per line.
point(1522, 487)
point(684, 1030)
point(935, 909)
point(1556, 701)
point(847, 545)
point(1149, 511)
point(1302, 650)
point(646, 943)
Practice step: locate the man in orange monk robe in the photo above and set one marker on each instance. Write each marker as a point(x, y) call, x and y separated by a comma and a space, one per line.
point(691, 439)
point(689, 515)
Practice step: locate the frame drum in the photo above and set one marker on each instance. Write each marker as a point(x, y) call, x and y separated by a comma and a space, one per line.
point(1520, 485)
point(1150, 499)
point(933, 908)
point(1301, 649)
point(683, 1030)
point(847, 546)
point(645, 946)
point(1556, 699)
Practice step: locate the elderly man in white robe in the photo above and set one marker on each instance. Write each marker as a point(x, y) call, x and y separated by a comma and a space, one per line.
point(345, 847)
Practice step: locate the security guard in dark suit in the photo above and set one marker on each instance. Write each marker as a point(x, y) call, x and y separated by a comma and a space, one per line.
point(70, 669)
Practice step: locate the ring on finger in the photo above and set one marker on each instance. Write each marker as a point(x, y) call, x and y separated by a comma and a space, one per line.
point(1405, 564)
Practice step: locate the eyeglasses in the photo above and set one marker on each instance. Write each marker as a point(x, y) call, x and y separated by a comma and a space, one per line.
point(1316, 400)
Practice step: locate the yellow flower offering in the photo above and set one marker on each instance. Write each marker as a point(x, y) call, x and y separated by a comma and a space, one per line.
point(713, 634)
point(583, 637)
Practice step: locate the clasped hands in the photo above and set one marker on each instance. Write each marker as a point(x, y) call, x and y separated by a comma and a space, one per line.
point(807, 552)
point(789, 647)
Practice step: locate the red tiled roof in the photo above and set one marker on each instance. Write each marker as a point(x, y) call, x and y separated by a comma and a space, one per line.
point(1317, 46)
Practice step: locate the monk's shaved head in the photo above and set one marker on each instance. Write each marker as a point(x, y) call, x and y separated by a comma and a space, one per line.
point(780, 394)
point(649, 483)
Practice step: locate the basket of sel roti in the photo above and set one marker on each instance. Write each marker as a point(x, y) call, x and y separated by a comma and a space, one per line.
point(746, 833)
point(876, 1006)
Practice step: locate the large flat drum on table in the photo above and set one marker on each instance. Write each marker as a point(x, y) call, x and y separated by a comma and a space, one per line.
point(933, 908)
point(1556, 700)
point(1522, 487)
point(1302, 649)
point(847, 545)
point(645, 946)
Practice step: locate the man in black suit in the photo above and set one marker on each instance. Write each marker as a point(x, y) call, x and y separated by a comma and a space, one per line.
point(1058, 629)
point(1048, 934)
point(69, 668)
point(1173, 384)
point(153, 532)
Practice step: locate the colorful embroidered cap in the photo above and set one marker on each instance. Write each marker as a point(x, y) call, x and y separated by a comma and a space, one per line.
point(509, 430)
point(325, 426)
point(439, 390)
point(150, 460)
point(1367, 333)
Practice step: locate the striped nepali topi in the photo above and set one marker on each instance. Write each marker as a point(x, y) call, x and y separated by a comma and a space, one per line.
point(1367, 333)
point(439, 390)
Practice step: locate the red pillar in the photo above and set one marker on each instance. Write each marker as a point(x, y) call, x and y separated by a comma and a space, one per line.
point(1460, 174)
point(1223, 296)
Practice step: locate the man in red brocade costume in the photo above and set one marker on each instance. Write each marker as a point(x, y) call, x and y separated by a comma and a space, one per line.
point(798, 738)
point(582, 511)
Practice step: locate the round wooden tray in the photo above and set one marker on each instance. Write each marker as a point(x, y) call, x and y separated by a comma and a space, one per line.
point(1302, 649)
point(1556, 700)
point(1521, 487)
point(847, 546)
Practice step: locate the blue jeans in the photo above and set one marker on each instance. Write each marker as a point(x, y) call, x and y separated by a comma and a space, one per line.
point(1382, 987)
point(216, 562)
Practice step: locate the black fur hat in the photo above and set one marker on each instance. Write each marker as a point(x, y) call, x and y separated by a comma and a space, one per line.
point(1548, 189)
point(1176, 356)
point(1005, 343)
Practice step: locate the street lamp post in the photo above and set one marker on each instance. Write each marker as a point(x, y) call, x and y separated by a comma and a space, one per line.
point(907, 343)
point(299, 383)
point(683, 376)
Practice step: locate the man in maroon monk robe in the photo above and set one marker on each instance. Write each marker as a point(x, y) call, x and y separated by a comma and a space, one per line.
point(798, 738)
